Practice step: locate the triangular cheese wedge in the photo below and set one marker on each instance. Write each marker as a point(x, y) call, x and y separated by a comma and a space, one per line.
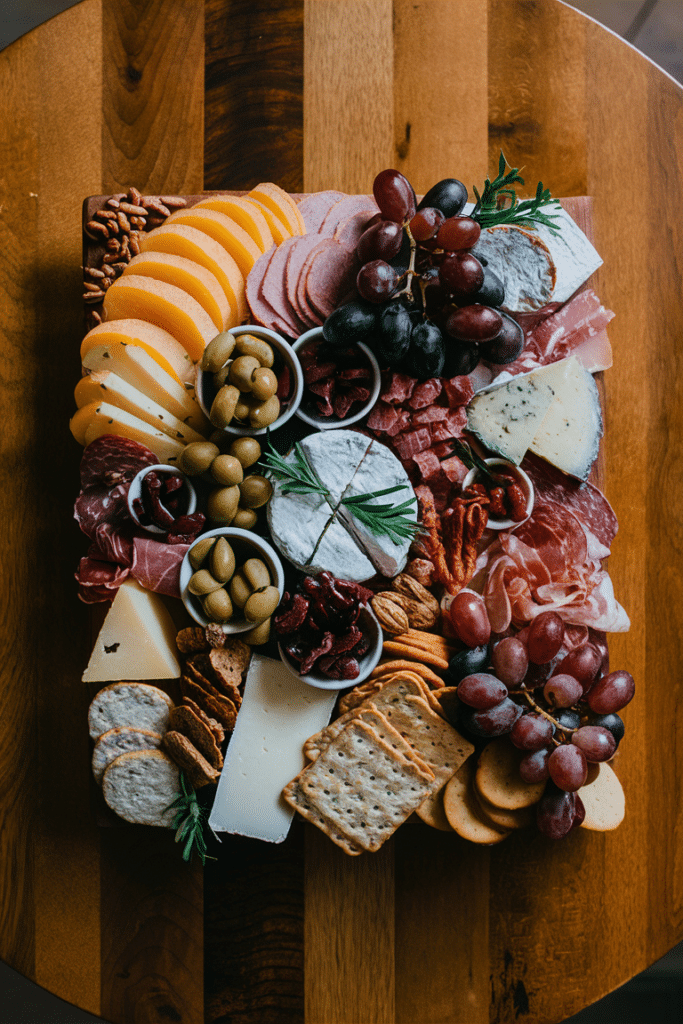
point(505, 417)
point(137, 639)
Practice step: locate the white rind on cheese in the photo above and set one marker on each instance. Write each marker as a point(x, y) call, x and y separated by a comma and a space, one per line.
point(136, 641)
point(278, 714)
point(506, 417)
point(569, 435)
point(337, 552)
point(296, 522)
point(334, 456)
point(523, 262)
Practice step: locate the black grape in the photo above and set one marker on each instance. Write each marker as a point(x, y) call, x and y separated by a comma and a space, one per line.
point(395, 328)
point(449, 196)
point(465, 663)
point(507, 344)
point(425, 357)
point(461, 357)
point(356, 321)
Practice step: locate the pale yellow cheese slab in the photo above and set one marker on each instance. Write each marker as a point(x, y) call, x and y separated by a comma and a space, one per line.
point(98, 418)
point(223, 230)
point(245, 214)
point(159, 344)
point(107, 386)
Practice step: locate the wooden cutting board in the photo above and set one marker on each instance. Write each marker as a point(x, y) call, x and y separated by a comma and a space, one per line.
point(173, 96)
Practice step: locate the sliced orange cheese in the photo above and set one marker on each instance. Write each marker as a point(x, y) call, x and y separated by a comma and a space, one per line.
point(98, 418)
point(134, 365)
point(281, 204)
point(278, 228)
point(157, 343)
point(105, 386)
point(196, 245)
point(197, 281)
point(223, 230)
point(243, 213)
point(164, 305)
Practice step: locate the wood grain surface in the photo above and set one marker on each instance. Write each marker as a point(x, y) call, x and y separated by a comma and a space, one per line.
point(173, 96)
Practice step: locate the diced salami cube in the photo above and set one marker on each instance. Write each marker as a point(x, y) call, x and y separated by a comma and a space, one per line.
point(432, 414)
point(441, 487)
point(440, 431)
point(316, 371)
point(428, 464)
point(383, 417)
point(398, 388)
point(459, 391)
point(425, 393)
point(457, 421)
point(443, 449)
point(401, 423)
point(412, 442)
point(455, 470)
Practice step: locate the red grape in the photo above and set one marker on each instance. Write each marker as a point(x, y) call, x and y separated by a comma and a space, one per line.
point(474, 323)
point(481, 691)
point(394, 195)
point(568, 768)
point(458, 233)
point(531, 732)
point(492, 722)
point(426, 223)
point(546, 634)
point(376, 281)
point(470, 618)
point(555, 812)
point(507, 344)
point(534, 767)
point(596, 743)
point(562, 691)
point(382, 241)
point(579, 811)
point(583, 663)
point(510, 660)
point(612, 693)
point(463, 272)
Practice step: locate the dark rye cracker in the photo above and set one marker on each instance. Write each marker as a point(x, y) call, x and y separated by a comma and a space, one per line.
point(213, 723)
point(184, 720)
point(218, 707)
point(186, 756)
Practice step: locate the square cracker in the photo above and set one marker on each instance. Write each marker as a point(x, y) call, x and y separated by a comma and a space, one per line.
point(364, 787)
point(434, 740)
point(296, 798)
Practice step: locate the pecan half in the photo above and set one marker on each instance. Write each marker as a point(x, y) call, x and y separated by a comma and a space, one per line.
point(406, 584)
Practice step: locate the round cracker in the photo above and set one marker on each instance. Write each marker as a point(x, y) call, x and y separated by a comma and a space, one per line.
point(432, 812)
point(140, 786)
point(121, 740)
point(604, 801)
point(462, 810)
point(498, 818)
point(497, 778)
point(137, 704)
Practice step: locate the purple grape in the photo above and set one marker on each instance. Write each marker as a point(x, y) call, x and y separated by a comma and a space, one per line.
point(555, 812)
point(462, 272)
point(394, 195)
point(596, 743)
point(376, 281)
point(481, 691)
point(507, 344)
point(583, 663)
point(612, 693)
point(510, 660)
point(382, 241)
point(568, 768)
point(579, 811)
point(562, 691)
point(534, 767)
point(545, 637)
point(475, 323)
point(495, 721)
point(613, 723)
point(532, 732)
point(426, 223)
point(458, 233)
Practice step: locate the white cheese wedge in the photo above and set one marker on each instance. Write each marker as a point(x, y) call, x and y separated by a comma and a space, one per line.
point(569, 435)
point(107, 419)
point(296, 523)
point(279, 712)
point(137, 639)
point(334, 456)
point(505, 417)
point(337, 552)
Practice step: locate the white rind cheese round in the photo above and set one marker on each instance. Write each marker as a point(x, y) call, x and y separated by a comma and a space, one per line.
point(522, 262)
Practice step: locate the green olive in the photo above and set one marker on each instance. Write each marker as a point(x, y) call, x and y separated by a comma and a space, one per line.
point(250, 345)
point(261, 604)
point(265, 413)
point(226, 469)
point(263, 383)
point(217, 352)
point(217, 437)
point(245, 519)
point(256, 573)
point(240, 591)
point(222, 561)
point(222, 504)
point(255, 491)
point(202, 582)
point(218, 606)
point(223, 408)
point(241, 370)
point(258, 635)
point(246, 450)
point(196, 458)
point(243, 408)
point(200, 550)
point(221, 376)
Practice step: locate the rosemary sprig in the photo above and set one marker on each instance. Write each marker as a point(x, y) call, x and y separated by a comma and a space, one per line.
point(467, 455)
point(189, 822)
point(298, 476)
point(383, 520)
point(498, 203)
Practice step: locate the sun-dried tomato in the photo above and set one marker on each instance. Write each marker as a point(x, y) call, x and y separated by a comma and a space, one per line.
point(344, 668)
point(293, 616)
point(517, 502)
point(309, 660)
point(186, 528)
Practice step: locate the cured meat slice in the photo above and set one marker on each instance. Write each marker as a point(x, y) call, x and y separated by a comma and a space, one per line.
point(585, 500)
point(348, 231)
point(302, 301)
point(330, 278)
point(101, 505)
point(297, 260)
point(112, 544)
point(156, 566)
point(110, 460)
point(345, 208)
point(262, 310)
point(99, 581)
point(273, 287)
point(315, 207)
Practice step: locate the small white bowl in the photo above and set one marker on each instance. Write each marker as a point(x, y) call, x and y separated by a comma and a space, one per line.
point(239, 540)
point(135, 491)
point(523, 480)
point(331, 422)
point(372, 631)
point(286, 352)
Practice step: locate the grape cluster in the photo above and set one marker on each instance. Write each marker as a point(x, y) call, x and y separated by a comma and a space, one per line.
point(429, 307)
point(569, 724)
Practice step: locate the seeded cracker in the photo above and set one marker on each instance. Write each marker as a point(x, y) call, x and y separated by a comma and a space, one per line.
point(184, 720)
point(362, 787)
point(213, 724)
point(215, 705)
point(187, 757)
point(121, 740)
point(432, 739)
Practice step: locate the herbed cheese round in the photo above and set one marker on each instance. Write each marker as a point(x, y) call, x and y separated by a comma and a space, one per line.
point(140, 786)
point(137, 704)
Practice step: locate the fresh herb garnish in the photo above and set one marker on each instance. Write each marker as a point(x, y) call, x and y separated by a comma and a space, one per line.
point(189, 822)
point(470, 458)
point(498, 203)
point(297, 475)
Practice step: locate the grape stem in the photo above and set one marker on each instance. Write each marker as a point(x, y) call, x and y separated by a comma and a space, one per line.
point(410, 272)
point(545, 714)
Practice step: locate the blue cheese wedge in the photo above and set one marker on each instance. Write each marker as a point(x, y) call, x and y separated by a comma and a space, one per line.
point(569, 435)
point(506, 417)
point(574, 257)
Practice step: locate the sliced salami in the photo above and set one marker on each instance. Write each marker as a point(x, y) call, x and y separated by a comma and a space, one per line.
point(585, 500)
point(294, 271)
point(274, 292)
point(110, 460)
point(315, 207)
point(262, 310)
point(348, 231)
point(345, 208)
point(330, 278)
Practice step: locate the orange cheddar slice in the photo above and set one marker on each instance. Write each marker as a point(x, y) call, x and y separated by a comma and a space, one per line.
point(243, 213)
point(157, 343)
point(196, 245)
point(105, 386)
point(223, 230)
point(136, 366)
point(98, 418)
point(281, 204)
point(164, 305)
point(197, 281)
point(278, 228)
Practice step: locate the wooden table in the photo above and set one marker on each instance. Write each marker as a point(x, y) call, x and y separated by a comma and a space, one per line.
point(176, 96)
